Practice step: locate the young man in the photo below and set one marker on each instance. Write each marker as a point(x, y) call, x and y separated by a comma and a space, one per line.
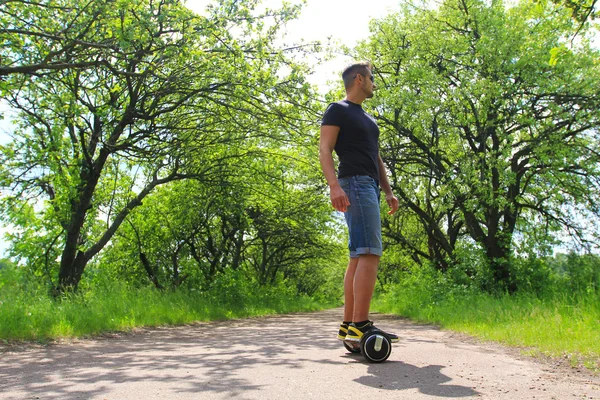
point(354, 135)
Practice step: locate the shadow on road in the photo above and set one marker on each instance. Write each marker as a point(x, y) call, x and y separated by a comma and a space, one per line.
point(396, 375)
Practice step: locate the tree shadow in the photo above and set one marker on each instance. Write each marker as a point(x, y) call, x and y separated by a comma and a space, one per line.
point(198, 358)
point(205, 359)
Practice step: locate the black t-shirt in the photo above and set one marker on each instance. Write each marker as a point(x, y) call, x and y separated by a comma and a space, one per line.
point(357, 145)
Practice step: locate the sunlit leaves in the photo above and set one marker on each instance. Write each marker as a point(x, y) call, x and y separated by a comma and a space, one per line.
point(120, 97)
point(489, 120)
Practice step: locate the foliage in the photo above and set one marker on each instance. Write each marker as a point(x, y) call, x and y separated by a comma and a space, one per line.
point(583, 11)
point(265, 220)
point(555, 313)
point(117, 98)
point(559, 327)
point(577, 273)
point(489, 139)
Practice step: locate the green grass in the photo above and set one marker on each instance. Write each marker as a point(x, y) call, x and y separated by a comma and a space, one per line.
point(24, 316)
point(560, 326)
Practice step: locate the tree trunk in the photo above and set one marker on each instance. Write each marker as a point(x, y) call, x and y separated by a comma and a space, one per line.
point(499, 258)
point(70, 275)
point(150, 271)
point(73, 261)
point(237, 255)
point(263, 264)
point(175, 261)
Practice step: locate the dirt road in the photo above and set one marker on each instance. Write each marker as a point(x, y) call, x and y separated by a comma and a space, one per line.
point(283, 357)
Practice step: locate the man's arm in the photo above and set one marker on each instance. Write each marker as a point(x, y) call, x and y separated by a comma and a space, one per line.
point(387, 189)
point(327, 140)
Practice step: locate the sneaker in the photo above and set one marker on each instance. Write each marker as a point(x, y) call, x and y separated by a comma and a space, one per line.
point(343, 331)
point(355, 334)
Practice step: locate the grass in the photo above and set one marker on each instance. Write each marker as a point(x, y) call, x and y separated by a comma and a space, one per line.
point(24, 316)
point(561, 326)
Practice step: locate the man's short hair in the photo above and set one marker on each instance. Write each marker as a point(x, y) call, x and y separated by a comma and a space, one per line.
point(351, 71)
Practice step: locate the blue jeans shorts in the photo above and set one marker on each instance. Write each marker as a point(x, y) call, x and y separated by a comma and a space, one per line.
point(362, 216)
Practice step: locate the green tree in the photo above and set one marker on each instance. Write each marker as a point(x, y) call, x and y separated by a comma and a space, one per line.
point(149, 87)
point(187, 231)
point(581, 10)
point(486, 133)
point(264, 217)
point(288, 227)
point(40, 37)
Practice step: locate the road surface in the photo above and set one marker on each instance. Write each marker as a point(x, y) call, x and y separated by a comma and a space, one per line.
point(282, 357)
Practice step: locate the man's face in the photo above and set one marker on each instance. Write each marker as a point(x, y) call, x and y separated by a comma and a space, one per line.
point(368, 84)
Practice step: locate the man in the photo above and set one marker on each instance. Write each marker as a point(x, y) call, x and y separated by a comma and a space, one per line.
point(354, 135)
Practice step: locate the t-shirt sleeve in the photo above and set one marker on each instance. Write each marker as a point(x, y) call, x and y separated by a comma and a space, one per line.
point(332, 115)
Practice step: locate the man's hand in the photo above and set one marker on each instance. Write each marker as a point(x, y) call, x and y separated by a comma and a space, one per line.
point(392, 202)
point(339, 200)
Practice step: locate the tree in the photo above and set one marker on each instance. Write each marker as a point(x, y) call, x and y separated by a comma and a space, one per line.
point(581, 10)
point(42, 37)
point(265, 219)
point(187, 231)
point(288, 227)
point(485, 133)
point(146, 86)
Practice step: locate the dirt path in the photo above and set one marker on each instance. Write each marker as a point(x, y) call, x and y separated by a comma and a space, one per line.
point(283, 357)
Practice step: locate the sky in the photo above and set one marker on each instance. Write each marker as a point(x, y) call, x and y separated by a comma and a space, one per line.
point(346, 21)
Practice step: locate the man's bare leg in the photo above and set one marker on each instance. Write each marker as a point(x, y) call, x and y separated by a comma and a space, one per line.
point(365, 278)
point(349, 289)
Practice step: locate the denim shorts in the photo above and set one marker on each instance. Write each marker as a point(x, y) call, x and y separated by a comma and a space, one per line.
point(362, 216)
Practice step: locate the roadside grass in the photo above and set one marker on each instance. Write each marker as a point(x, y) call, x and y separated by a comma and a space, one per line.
point(38, 317)
point(564, 326)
